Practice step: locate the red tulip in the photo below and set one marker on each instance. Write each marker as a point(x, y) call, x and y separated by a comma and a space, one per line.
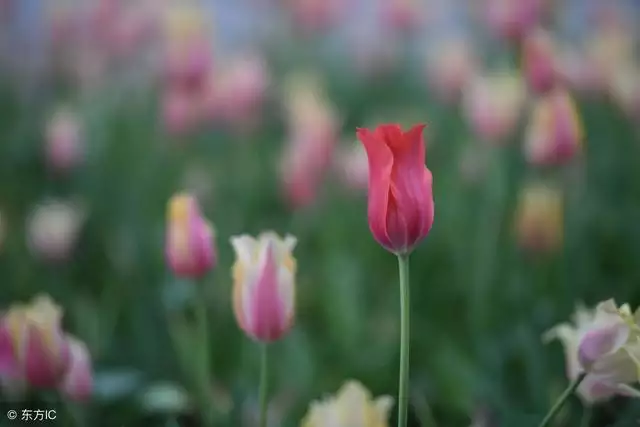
point(401, 204)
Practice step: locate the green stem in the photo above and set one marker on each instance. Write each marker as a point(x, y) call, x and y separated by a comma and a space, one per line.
point(264, 384)
point(202, 344)
point(561, 400)
point(405, 315)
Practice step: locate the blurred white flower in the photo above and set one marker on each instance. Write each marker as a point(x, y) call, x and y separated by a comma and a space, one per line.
point(63, 139)
point(53, 228)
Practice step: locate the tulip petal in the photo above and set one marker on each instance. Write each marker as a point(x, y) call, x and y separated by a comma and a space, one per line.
point(266, 304)
point(380, 166)
point(78, 381)
point(599, 343)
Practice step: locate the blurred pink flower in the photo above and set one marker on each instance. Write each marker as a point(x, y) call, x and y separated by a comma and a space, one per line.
point(554, 134)
point(492, 104)
point(312, 16)
point(190, 239)
point(306, 160)
point(539, 61)
point(313, 133)
point(64, 140)
point(62, 23)
point(580, 72)
point(352, 166)
point(450, 65)
point(32, 343)
point(188, 64)
point(34, 349)
point(53, 228)
point(603, 342)
point(235, 92)
point(403, 15)
point(264, 285)
point(77, 383)
point(180, 111)
point(512, 19)
point(131, 30)
point(188, 45)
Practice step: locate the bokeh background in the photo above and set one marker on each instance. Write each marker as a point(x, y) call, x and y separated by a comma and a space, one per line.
point(107, 108)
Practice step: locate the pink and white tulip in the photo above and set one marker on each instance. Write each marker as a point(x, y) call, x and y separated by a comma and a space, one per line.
point(33, 345)
point(190, 248)
point(554, 134)
point(264, 285)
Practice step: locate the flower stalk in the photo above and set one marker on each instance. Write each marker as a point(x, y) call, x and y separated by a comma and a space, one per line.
point(264, 384)
point(405, 317)
point(562, 399)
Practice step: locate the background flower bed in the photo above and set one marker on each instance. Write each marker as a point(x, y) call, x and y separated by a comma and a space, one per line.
point(480, 303)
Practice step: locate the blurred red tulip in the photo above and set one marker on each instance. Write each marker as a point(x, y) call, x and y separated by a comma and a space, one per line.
point(539, 61)
point(554, 133)
point(190, 247)
point(401, 206)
